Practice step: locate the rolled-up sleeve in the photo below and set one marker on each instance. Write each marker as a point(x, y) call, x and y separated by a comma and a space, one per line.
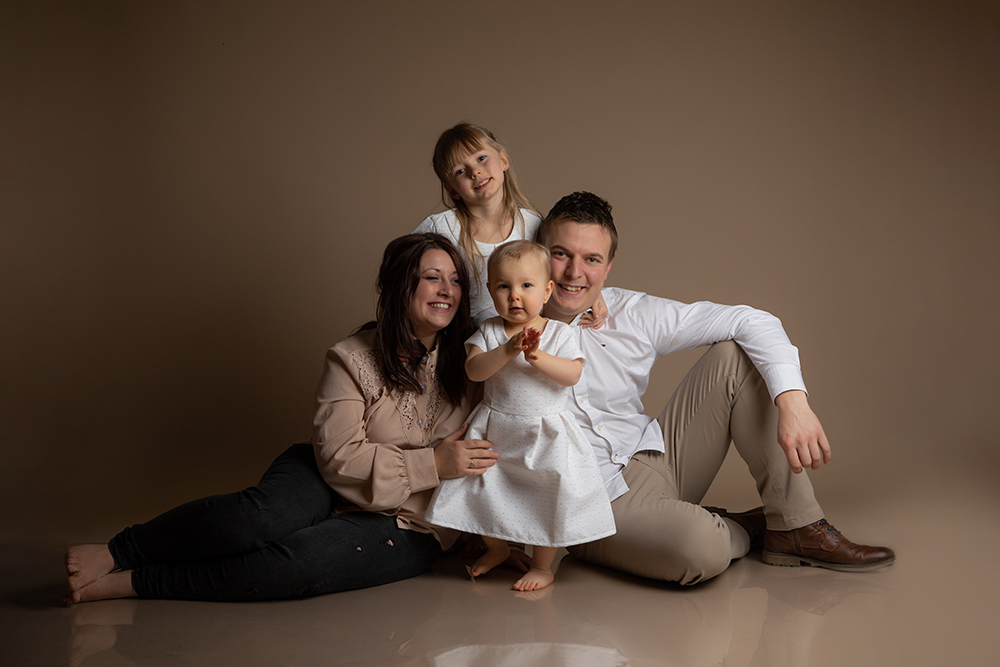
point(375, 476)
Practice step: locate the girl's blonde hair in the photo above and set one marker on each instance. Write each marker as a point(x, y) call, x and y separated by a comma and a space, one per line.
point(453, 144)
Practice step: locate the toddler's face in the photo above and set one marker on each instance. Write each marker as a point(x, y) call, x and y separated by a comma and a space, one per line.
point(520, 287)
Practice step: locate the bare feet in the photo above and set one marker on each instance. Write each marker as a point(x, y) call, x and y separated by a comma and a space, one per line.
point(495, 555)
point(115, 585)
point(95, 628)
point(536, 579)
point(90, 639)
point(86, 563)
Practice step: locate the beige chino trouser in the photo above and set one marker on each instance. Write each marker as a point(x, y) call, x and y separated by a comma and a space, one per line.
point(662, 532)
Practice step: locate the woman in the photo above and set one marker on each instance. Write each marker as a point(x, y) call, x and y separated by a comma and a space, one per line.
point(346, 511)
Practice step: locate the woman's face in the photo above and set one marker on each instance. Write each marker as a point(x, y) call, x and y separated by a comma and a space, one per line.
point(437, 296)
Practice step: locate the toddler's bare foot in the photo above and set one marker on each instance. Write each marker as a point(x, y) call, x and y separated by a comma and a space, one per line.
point(489, 560)
point(114, 585)
point(86, 563)
point(536, 579)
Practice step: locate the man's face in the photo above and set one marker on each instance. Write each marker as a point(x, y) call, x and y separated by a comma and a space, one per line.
point(580, 265)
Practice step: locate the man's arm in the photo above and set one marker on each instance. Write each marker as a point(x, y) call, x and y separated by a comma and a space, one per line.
point(671, 326)
point(675, 326)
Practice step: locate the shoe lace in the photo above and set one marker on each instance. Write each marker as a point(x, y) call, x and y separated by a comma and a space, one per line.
point(829, 527)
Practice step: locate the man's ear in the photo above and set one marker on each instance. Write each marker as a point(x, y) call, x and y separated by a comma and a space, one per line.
point(608, 270)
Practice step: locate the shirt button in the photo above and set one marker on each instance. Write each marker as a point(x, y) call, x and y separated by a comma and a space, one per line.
point(600, 427)
point(420, 422)
point(423, 387)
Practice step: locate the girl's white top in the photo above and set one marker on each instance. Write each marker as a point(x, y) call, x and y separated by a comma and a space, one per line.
point(446, 224)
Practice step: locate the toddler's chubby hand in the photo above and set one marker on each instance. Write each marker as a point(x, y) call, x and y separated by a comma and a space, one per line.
point(530, 342)
point(515, 345)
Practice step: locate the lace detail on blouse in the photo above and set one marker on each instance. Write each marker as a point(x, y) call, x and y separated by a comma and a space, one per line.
point(373, 384)
point(369, 374)
point(434, 404)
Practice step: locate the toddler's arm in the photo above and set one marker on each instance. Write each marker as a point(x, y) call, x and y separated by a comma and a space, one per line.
point(480, 365)
point(563, 371)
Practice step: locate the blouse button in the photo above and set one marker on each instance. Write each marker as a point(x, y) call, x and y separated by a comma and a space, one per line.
point(420, 422)
point(423, 387)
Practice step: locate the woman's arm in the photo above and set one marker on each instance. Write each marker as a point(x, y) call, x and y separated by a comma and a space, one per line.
point(378, 475)
point(373, 475)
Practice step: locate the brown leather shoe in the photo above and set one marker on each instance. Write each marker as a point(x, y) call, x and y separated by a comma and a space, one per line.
point(752, 521)
point(822, 545)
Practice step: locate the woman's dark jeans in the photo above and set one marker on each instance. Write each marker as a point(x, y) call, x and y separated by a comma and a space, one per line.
point(272, 541)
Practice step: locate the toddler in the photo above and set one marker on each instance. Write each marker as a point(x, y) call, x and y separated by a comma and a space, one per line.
point(546, 489)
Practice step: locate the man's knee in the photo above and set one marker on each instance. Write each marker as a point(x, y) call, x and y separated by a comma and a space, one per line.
point(703, 552)
point(727, 352)
point(687, 554)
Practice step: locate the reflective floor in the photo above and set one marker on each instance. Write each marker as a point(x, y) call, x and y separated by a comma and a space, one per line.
point(937, 605)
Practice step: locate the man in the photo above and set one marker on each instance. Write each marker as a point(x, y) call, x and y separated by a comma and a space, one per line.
point(747, 389)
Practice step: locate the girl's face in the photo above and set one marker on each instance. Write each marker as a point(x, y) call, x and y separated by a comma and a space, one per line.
point(437, 296)
point(520, 287)
point(478, 176)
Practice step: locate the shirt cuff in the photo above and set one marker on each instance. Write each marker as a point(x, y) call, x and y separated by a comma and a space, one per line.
point(783, 377)
point(421, 469)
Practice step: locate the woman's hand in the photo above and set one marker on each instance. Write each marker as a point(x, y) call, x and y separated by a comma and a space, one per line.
point(455, 457)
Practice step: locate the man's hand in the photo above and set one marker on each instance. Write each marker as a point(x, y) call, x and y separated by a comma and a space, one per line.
point(455, 457)
point(799, 432)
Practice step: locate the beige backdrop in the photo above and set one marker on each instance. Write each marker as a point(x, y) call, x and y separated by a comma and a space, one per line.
point(195, 195)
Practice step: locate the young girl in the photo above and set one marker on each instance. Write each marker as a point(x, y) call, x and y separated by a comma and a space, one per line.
point(546, 489)
point(485, 207)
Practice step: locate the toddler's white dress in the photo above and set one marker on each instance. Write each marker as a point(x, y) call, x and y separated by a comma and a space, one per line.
point(546, 489)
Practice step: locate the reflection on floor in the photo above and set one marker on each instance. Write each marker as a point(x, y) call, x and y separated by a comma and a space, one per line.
point(754, 614)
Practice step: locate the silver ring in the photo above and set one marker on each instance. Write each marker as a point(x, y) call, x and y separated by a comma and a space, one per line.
point(472, 463)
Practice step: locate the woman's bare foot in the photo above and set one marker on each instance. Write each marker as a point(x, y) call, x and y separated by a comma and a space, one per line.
point(87, 640)
point(536, 579)
point(115, 585)
point(495, 555)
point(86, 563)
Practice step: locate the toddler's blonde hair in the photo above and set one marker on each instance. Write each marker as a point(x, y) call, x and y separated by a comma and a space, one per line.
point(517, 250)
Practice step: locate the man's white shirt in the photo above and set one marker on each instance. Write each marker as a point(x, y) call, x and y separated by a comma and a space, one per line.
point(607, 401)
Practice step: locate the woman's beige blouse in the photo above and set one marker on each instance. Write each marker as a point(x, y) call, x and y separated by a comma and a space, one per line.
point(374, 445)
